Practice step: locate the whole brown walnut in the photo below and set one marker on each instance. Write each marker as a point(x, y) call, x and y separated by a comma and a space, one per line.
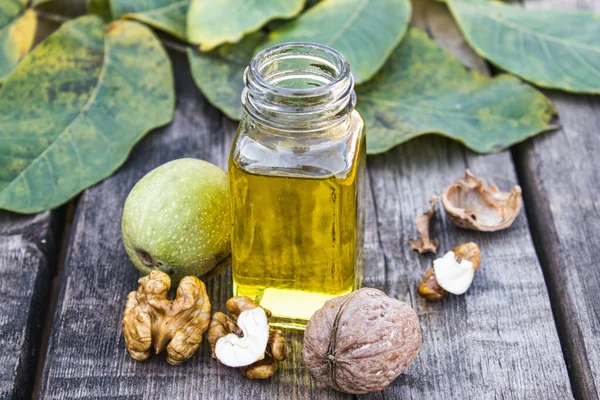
point(360, 342)
point(151, 320)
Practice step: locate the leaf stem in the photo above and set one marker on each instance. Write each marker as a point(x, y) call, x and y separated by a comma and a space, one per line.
point(48, 16)
point(173, 45)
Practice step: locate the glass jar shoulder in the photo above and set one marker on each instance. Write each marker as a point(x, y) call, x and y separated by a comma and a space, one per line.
point(331, 152)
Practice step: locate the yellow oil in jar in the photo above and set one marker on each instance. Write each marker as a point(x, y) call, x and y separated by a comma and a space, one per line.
point(297, 240)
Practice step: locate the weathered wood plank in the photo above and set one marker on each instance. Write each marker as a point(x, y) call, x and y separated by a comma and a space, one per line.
point(28, 256)
point(86, 353)
point(499, 339)
point(27, 262)
point(560, 172)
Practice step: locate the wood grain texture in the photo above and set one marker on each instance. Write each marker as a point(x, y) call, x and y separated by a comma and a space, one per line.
point(560, 172)
point(27, 262)
point(499, 339)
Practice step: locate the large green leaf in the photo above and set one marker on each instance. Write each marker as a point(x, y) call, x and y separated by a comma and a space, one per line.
point(72, 110)
point(551, 48)
point(364, 31)
point(166, 15)
point(17, 31)
point(211, 23)
point(422, 89)
point(219, 73)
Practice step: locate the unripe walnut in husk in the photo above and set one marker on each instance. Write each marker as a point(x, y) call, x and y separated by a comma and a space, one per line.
point(360, 342)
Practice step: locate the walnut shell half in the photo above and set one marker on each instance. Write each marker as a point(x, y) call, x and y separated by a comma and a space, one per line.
point(360, 342)
point(470, 205)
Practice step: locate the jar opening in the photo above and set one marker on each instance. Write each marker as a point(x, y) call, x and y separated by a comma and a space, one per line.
point(299, 69)
point(298, 83)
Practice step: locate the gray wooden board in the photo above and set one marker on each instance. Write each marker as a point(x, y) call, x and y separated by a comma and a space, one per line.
point(27, 249)
point(560, 171)
point(497, 341)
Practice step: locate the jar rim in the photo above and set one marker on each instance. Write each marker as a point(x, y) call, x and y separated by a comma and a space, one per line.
point(342, 68)
point(298, 86)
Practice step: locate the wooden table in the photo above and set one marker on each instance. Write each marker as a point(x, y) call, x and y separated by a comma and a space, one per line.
point(529, 328)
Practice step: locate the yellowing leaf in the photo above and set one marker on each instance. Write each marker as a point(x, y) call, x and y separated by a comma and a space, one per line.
point(551, 48)
point(219, 73)
point(422, 89)
point(17, 31)
point(211, 23)
point(364, 31)
point(72, 110)
point(167, 15)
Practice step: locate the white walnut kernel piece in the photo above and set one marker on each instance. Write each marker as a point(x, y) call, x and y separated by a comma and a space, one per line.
point(222, 325)
point(452, 275)
point(432, 290)
point(235, 351)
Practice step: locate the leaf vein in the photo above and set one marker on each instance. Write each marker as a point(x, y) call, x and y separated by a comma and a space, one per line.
point(349, 22)
point(531, 30)
point(422, 108)
point(52, 175)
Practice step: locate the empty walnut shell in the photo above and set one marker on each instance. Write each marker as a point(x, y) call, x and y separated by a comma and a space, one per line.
point(470, 205)
point(360, 342)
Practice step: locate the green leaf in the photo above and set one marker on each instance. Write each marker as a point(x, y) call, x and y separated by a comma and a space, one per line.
point(551, 48)
point(167, 15)
point(17, 31)
point(219, 74)
point(72, 110)
point(422, 89)
point(364, 31)
point(100, 8)
point(211, 23)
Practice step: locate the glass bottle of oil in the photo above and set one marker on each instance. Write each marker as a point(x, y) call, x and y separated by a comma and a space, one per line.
point(297, 171)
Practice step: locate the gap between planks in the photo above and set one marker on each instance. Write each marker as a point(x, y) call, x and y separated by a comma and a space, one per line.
point(65, 236)
point(536, 164)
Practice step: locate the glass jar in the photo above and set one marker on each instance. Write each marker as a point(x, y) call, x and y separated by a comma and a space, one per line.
point(297, 176)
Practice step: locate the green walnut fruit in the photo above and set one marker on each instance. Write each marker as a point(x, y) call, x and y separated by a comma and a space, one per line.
point(176, 219)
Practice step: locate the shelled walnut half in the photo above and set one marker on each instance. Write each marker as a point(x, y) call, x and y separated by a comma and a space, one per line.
point(246, 341)
point(151, 320)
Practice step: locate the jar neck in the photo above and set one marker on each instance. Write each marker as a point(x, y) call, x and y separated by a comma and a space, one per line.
point(297, 88)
